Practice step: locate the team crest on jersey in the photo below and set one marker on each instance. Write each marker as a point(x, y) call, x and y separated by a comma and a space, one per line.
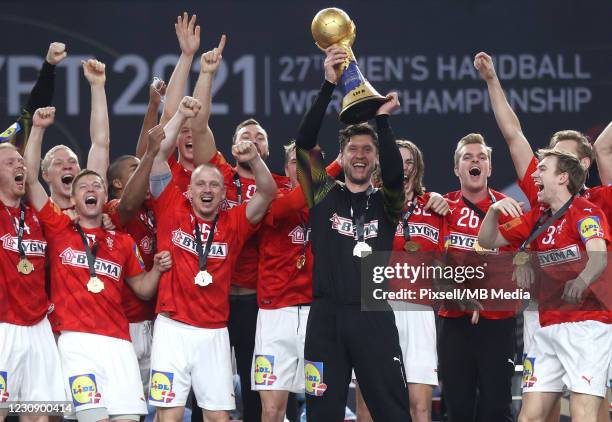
point(529, 378)
point(345, 227)
point(4, 394)
point(423, 230)
point(589, 228)
point(161, 386)
point(79, 259)
point(297, 235)
point(264, 370)
point(559, 256)
point(187, 242)
point(146, 244)
point(31, 247)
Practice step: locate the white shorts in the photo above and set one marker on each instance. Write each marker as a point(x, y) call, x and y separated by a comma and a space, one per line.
point(185, 356)
point(101, 372)
point(416, 326)
point(141, 334)
point(278, 359)
point(575, 355)
point(30, 368)
point(531, 323)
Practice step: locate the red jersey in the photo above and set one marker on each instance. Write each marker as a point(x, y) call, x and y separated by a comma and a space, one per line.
point(117, 258)
point(23, 299)
point(562, 256)
point(601, 196)
point(142, 230)
point(181, 177)
point(178, 295)
point(463, 225)
point(245, 274)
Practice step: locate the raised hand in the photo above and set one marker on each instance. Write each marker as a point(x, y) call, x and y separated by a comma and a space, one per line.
point(189, 107)
point(210, 61)
point(155, 135)
point(244, 151)
point(188, 34)
point(335, 56)
point(56, 53)
point(509, 207)
point(95, 71)
point(391, 105)
point(484, 64)
point(156, 93)
point(44, 117)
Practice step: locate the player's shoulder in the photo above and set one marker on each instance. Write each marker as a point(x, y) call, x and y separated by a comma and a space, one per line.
point(497, 195)
point(582, 206)
point(452, 196)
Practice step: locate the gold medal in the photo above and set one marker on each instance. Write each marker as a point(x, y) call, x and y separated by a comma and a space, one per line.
point(520, 258)
point(480, 250)
point(411, 246)
point(24, 266)
point(300, 262)
point(95, 285)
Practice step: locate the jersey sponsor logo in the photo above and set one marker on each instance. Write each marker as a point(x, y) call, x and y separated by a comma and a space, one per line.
point(84, 389)
point(590, 227)
point(297, 235)
point(423, 230)
point(465, 242)
point(32, 247)
point(264, 370)
point(4, 394)
point(559, 256)
point(345, 227)
point(79, 259)
point(161, 386)
point(529, 378)
point(313, 373)
point(187, 242)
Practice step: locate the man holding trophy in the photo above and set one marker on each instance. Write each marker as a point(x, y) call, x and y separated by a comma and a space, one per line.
point(339, 336)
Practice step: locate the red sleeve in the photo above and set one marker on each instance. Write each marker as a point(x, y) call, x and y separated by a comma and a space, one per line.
point(218, 160)
point(52, 218)
point(165, 204)
point(112, 209)
point(240, 222)
point(593, 225)
point(527, 184)
point(517, 230)
point(334, 169)
point(134, 264)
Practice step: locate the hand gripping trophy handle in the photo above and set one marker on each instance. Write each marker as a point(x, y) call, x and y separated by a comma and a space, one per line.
point(360, 101)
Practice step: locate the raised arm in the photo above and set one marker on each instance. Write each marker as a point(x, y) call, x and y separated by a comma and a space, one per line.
point(189, 107)
point(507, 121)
point(42, 119)
point(150, 118)
point(245, 152)
point(99, 131)
point(188, 35)
point(489, 235)
point(136, 188)
point(603, 152)
point(204, 148)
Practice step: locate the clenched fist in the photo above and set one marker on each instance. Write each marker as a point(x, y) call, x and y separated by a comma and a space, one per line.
point(95, 72)
point(189, 107)
point(44, 117)
point(155, 135)
point(244, 151)
point(162, 261)
point(57, 53)
point(391, 105)
point(484, 64)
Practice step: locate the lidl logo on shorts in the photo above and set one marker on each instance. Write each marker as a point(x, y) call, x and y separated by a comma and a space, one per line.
point(529, 378)
point(161, 386)
point(313, 372)
point(4, 395)
point(84, 389)
point(264, 370)
point(590, 227)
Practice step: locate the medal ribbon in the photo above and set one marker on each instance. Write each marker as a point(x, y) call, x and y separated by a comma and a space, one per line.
point(19, 228)
point(89, 252)
point(474, 208)
point(359, 222)
point(238, 184)
point(203, 254)
point(538, 228)
point(406, 217)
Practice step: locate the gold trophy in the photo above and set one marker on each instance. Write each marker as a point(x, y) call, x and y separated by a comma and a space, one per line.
point(360, 101)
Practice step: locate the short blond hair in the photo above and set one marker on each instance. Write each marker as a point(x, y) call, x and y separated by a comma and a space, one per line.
point(46, 161)
point(585, 149)
point(471, 138)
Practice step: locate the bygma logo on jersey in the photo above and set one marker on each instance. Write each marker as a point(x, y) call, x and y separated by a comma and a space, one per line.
point(161, 386)
point(84, 389)
point(264, 370)
point(313, 372)
point(590, 227)
point(4, 395)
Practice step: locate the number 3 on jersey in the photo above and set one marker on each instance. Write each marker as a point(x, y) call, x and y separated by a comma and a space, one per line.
point(549, 240)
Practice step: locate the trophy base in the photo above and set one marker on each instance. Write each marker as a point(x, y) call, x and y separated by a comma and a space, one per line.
point(362, 110)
